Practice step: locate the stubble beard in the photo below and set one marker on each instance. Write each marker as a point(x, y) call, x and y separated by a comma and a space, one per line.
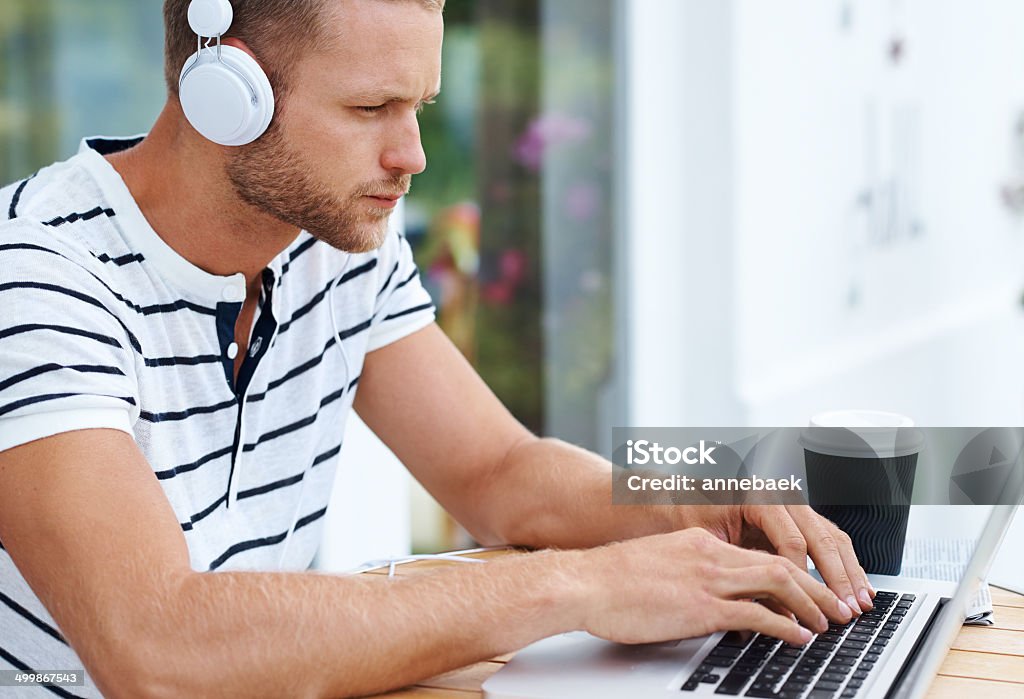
point(269, 176)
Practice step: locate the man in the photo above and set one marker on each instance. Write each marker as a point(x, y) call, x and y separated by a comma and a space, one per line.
point(185, 327)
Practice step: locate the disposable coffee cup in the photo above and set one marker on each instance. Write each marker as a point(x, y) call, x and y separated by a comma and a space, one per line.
point(860, 474)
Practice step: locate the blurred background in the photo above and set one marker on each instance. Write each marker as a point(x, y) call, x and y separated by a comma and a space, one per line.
point(659, 212)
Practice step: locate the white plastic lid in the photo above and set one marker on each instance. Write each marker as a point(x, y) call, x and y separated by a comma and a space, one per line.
point(861, 434)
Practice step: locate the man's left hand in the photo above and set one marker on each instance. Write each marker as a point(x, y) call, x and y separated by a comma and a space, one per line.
point(792, 531)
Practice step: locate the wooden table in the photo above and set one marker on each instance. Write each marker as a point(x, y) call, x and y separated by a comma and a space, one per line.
point(984, 662)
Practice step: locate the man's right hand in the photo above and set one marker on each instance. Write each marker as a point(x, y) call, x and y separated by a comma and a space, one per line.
point(690, 583)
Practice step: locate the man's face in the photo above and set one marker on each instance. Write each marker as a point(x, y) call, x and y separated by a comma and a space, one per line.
point(346, 143)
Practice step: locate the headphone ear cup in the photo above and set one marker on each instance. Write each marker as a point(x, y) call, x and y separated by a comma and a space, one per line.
point(228, 100)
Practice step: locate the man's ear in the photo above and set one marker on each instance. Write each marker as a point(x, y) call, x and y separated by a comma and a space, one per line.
point(239, 44)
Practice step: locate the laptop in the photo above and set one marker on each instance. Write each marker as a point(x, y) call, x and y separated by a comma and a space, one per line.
point(893, 651)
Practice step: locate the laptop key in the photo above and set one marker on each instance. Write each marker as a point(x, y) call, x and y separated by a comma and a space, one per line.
point(735, 639)
point(725, 652)
point(732, 684)
point(710, 678)
point(690, 685)
point(809, 664)
point(718, 662)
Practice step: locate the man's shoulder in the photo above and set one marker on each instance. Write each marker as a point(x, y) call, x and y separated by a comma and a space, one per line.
point(55, 216)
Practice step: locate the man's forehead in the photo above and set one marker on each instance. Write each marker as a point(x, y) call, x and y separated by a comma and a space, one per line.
point(379, 43)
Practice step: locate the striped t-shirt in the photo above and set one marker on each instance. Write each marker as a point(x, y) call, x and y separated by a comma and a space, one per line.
point(103, 325)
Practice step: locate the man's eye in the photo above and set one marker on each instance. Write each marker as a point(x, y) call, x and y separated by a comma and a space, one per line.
point(371, 110)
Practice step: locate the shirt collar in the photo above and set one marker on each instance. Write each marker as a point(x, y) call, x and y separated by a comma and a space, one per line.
point(141, 237)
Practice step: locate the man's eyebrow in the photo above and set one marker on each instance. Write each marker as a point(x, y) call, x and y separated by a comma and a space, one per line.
point(387, 97)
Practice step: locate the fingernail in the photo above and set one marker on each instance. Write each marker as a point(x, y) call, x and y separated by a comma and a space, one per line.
point(822, 623)
point(852, 604)
point(844, 609)
point(865, 599)
point(805, 635)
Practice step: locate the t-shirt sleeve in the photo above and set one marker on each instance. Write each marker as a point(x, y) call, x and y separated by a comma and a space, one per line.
point(67, 358)
point(403, 306)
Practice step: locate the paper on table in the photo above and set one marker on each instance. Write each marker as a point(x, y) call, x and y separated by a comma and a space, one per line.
point(946, 559)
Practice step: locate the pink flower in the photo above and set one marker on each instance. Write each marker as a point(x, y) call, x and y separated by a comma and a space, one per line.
point(582, 201)
point(546, 131)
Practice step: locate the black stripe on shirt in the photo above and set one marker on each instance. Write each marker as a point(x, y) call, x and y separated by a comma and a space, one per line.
point(178, 305)
point(119, 261)
point(12, 210)
point(185, 468)
point(183, 361)
point(73, 218)
point(330, 453)
point(32, 618)
point(56, 396)
point(264, 541)
point(63, 329)
point(415, 273)
point(296, 253)
point(59, 691)
point(316, 300)
point(46, 368)
point(414, 309)
point(386, 283)
point(309, 363)
point(297, 425)
point(204, 513)
point(270, 487)
point(150, 362)
point(81, 297)
point(258, 490)
point(183, 414)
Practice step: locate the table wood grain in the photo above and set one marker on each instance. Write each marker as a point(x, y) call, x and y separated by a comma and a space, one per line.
point(984, 661)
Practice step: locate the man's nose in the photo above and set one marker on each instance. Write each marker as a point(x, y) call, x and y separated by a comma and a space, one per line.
point(404, 152)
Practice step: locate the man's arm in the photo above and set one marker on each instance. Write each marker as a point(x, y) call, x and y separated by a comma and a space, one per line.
point(87, 524)
point(505, 485)
point(89, 527)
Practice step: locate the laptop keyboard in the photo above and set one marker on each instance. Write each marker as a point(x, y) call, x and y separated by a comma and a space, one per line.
point(835, 663)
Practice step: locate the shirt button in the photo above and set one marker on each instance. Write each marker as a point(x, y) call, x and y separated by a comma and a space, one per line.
point(233, 294)
point(232, 350)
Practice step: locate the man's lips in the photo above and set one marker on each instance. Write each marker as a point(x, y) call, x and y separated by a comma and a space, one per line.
point(386, 200)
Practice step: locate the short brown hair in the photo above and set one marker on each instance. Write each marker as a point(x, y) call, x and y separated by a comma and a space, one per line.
point(271, 28)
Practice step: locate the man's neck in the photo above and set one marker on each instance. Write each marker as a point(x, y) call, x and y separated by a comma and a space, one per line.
point(180, 187)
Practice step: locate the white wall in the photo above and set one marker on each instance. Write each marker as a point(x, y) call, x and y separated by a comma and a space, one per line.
point(368, 516)
point(814, 226)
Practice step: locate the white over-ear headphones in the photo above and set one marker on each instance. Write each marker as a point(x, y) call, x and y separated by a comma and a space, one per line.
point(224, 93)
